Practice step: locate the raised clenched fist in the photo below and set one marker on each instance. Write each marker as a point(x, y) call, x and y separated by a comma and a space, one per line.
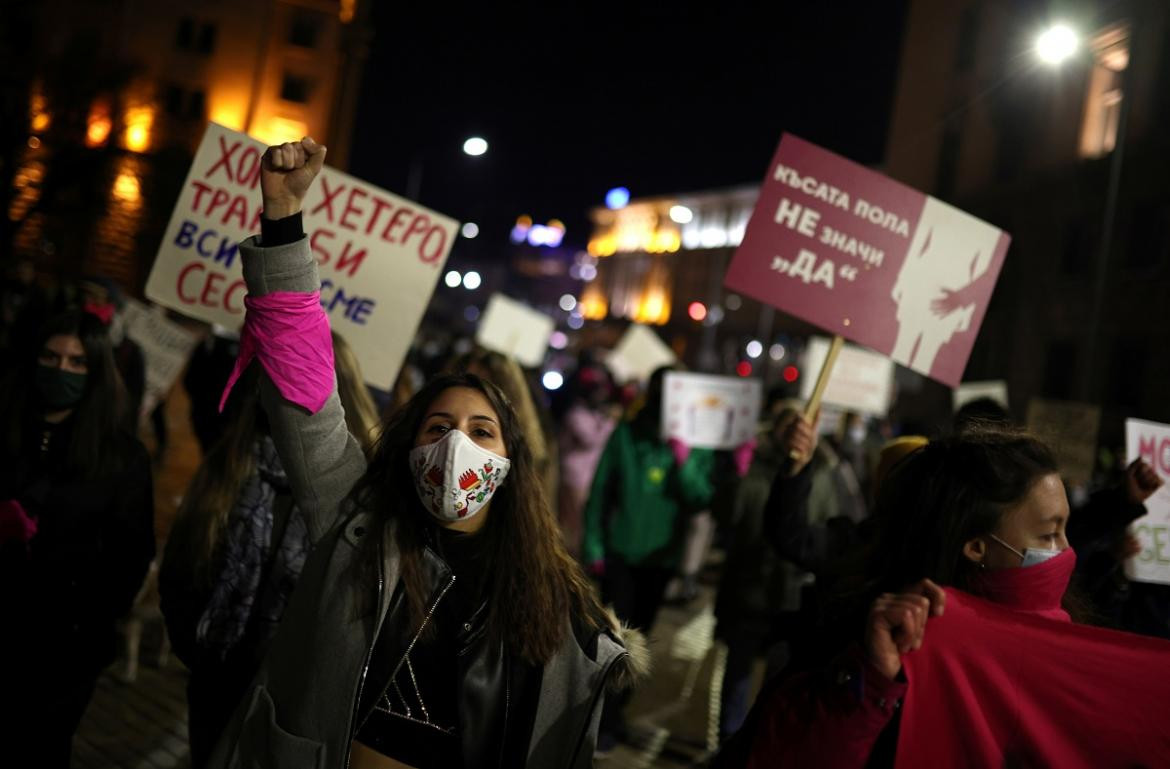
point(286, 173)
point(897, 622)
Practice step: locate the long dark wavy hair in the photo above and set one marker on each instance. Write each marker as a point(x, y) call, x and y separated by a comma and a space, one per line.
point(99, 441)
point(533, 585)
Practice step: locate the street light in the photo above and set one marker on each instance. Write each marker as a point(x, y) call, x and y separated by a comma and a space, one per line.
point(1056, 44)
point(475, 146)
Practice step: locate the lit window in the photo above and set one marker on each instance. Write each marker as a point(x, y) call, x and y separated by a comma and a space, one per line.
point(1103, 101)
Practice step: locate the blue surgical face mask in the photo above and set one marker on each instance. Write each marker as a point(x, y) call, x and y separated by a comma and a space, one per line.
point(1032, 555)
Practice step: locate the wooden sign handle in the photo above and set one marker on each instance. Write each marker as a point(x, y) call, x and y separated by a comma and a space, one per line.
point(814, 402)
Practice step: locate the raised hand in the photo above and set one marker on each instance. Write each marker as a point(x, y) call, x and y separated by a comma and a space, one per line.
point(897, 623)
point(1141, 481)
point(286, 173)
point(799, 441)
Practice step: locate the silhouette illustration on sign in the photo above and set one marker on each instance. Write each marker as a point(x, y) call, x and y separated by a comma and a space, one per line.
point(946, 269)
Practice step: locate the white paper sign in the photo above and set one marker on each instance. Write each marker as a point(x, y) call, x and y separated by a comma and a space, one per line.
point(1151, 441)
point(380, 255)
point(995, 390)
point(515, 329)
point(639, 354)
point(710, 412)
point(166, 346)
point(862, 380)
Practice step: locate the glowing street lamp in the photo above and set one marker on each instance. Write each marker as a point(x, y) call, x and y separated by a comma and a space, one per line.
point(475, 146)
point(1056, 44)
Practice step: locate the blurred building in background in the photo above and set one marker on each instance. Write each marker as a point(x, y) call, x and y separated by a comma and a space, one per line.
point(660, 261)
point(113, 98)
point(1067, 155)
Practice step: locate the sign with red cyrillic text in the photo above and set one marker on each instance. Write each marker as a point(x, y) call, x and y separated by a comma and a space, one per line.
point(380, 255)
point(870, 259)
point(1150, 441)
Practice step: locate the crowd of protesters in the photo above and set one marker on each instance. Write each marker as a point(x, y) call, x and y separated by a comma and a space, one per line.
point(463, 571)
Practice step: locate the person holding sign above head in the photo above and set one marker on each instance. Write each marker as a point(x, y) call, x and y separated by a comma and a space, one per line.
point(438, 621)
point(963, 652)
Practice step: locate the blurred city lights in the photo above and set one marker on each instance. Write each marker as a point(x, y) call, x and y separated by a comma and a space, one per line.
point(475, 146)
point(744, 368)
point(755, 349)
point(681, 214)
point(550, 234)
point(776, 352)
point(568, 302)
point(617, 198)
point(714, 316)
point(697, 311)
point(791, 374)
point(575, 322)
point(559, 340)
point(34, 143)
point(552, 380)
point(139, 121)
point(471, 314)
point(126, 188)
point(469, 230)
point(453, 279)
point(472, 280)
point(733, 302)
point(1056, 44)
point(588, 272)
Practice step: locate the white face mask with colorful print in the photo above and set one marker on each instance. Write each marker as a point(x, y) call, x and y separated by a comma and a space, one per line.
point(454, 477)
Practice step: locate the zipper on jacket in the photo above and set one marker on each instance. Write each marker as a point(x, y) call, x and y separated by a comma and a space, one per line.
point(366, 666)
point(370, 653)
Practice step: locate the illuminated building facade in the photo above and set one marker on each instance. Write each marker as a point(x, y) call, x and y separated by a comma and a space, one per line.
point(660, 261)
point(158, 72)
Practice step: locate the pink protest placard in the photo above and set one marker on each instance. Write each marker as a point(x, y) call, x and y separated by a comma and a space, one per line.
point(866, 257)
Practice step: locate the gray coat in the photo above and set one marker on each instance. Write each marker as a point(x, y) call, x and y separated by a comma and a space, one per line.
point(299, 711)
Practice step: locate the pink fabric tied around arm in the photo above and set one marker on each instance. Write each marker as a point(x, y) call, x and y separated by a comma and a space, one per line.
point(289, 332)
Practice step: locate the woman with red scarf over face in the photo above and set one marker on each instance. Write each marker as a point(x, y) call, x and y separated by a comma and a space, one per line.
point(986, 671)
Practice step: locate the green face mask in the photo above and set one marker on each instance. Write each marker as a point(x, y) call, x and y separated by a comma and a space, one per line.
point(59, 389)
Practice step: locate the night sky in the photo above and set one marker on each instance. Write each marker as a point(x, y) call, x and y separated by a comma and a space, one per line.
point(655, 97)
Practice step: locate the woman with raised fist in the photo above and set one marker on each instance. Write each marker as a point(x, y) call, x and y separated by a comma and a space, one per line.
point(439, 621)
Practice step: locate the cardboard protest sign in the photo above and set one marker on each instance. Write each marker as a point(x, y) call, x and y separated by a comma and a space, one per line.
point(710, 412)
point(1151, 441)
point(1070, 430)
point(862, 380)
point(869, 259)
point(166, 347)
point(996, 390)
point(639, 353)
point(515, 329)
point(380, 255)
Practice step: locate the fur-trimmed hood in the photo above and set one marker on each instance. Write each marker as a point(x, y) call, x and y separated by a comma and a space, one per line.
point(633, 667)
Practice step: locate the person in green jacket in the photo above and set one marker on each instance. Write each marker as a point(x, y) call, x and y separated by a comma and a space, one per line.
point(635, 520)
